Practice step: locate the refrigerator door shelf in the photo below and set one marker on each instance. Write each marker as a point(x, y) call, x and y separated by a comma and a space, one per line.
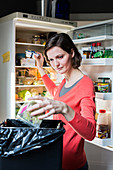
point(99, 61)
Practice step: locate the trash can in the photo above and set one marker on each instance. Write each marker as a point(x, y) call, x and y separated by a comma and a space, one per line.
point(26, 148)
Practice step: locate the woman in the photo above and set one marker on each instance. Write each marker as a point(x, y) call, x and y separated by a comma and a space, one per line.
point(73, 100)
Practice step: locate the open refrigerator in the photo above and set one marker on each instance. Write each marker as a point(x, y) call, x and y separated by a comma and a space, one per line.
point(21, 35)
point(18, 35)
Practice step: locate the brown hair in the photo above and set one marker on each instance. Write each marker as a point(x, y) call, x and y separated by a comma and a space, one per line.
point(63, 41)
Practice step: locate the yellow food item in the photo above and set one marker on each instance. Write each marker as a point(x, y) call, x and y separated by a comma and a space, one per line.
point(16, 96)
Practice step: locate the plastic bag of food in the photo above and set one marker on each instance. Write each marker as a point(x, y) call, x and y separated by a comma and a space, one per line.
point(26, 116)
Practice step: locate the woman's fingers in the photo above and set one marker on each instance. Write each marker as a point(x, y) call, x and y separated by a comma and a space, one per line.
point(39, 59)
point(41, 109)
point(45, 105)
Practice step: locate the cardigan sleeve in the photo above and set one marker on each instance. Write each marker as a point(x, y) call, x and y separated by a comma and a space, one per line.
point(84, 122)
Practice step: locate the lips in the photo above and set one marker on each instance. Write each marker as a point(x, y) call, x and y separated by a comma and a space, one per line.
point(60, 68)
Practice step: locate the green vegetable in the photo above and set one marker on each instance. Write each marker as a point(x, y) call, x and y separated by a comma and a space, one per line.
point(24, 94)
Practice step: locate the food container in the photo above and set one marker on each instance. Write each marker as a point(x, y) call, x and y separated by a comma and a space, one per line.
point(104, 84)
point(36, 39)
point(20, 80)
point(28, 53)
point(28, 80)
point(43, 39)
point(27, 62)
point(22, 72)
point(37, 82)
point(102, 124)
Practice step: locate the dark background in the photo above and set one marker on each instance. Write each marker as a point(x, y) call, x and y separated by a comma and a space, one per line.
point(76, 6)
point(7, 7)
point(91, 6)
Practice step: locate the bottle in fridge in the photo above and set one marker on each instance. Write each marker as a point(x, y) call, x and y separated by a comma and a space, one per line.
point(102, 125)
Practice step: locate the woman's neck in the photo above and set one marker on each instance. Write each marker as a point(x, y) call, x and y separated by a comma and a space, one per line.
point(73, 76)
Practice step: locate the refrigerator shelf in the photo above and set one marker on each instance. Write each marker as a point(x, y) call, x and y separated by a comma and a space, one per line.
point(101, 142)
point(41, 85)
point(21, 101)
point(29, 44)
point(104, 96)
point(93, 39)
point(46, 67)
point(98, 61)
point(25, 67)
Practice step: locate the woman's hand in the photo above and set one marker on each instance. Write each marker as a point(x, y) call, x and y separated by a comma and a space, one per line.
point(39, 59)
point(50, 107)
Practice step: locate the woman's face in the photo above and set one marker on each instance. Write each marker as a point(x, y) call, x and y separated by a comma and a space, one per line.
point(59, 59)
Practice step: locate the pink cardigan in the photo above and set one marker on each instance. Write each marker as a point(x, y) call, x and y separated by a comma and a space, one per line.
point(83, 126)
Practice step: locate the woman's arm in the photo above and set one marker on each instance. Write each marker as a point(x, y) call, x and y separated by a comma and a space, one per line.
point(50, 85)
point(84, 122)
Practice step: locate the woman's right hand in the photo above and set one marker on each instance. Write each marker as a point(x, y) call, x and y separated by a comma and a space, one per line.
point(39, 59)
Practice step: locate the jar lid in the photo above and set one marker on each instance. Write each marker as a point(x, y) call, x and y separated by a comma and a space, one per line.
point(94, 44)
point(98, 44)
point(104, 78)
point(102, 111)
point(36, 36)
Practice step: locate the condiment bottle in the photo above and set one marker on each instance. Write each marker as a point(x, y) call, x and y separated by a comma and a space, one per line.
point(99, 48)
point(102, 124)
point(86, 54)
point(94, 50)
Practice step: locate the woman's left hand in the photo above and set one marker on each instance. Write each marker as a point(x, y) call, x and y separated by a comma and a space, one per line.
point(50, 107)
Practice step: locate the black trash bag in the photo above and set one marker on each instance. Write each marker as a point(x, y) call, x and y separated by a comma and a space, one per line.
point(16, 139)
point(16, 123)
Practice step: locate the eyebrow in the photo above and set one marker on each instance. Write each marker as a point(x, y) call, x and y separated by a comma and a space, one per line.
point(57, 56)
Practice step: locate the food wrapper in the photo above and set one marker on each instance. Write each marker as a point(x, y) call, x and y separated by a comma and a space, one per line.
point(98, 54)
point(26, 116)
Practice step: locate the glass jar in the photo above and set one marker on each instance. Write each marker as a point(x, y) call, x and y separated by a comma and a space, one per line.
point(104, 84)
point(36, 39)
point(43, 39)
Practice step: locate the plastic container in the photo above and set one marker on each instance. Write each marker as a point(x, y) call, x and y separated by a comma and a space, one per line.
point(28, 80)
point(102, 125)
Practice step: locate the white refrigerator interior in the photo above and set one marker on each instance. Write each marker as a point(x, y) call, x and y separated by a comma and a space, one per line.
point(14, 27)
